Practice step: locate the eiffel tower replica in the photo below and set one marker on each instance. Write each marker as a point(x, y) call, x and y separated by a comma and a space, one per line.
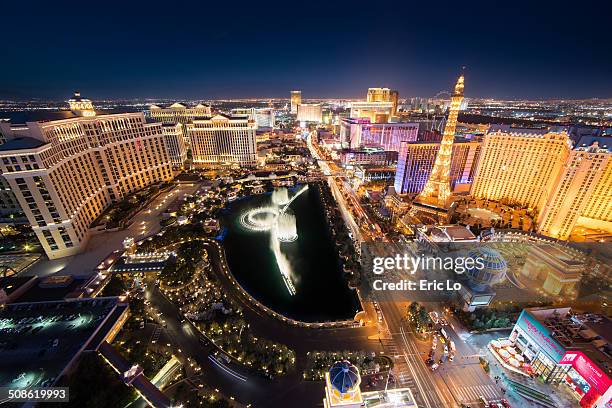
point(434, 199)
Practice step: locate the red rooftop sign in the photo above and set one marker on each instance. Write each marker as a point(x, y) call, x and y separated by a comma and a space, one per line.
point(587, 369)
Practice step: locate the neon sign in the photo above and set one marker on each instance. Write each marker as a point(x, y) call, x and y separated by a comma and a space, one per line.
point(541, 335)
point(592, 374)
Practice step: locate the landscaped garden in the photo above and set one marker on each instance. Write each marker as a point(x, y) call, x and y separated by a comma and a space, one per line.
point(418, 318)
point(318, 363)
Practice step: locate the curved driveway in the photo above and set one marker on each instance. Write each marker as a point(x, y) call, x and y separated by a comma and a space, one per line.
point(257, 390)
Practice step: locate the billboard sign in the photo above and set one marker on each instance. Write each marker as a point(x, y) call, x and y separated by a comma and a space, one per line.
point(587, 370)
point(540, 336)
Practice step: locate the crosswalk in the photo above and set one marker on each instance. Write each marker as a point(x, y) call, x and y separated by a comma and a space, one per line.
point(400, 369)
point(471, 394)
point(466, 394)
point(155, 334)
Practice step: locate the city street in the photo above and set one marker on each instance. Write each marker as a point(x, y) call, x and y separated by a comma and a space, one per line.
point(465, 377)
point(410, 367)
point(409, 364)
point(462, 381)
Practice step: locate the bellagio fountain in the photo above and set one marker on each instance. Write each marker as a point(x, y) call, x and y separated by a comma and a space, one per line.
point(279, 221)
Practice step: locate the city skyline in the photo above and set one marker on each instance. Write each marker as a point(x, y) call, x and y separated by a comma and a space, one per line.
point(289, 204)
point(264, 52)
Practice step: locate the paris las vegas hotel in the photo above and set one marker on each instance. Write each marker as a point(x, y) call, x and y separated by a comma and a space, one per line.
point(567, 183)
point(564, 178)
point(65, 173)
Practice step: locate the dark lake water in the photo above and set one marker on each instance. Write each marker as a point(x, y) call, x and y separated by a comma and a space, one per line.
point(322, 293)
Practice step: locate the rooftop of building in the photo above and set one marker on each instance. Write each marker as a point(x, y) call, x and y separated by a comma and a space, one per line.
point(77, 97)
point(344, 377)
point(13, 283)
point(179, 105)
point(374, 103)
point(459, 139)
point(372, 168)
point(20, 118)
point(557, 254)
point(21, 143)
point(139, 265)
point(602, 142)
point(46, 289)
point(368, 150)
point(505, 128)
point(586, 332)
point(62, 330)
point(150, 392)
point(452, 233)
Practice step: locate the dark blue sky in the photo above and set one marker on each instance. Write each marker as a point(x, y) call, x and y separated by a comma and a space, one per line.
point(181, 49)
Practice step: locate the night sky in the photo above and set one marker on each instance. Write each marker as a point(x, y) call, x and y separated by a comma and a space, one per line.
point(188, 50)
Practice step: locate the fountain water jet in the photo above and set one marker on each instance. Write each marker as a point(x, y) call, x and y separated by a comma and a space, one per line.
point(283, 263)
point(282, 227)
point(268, 218)
point(280, 196)
point(286, 229)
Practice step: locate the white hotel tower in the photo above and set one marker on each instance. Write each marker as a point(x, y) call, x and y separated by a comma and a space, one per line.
point(64, 173)
point(223, 140)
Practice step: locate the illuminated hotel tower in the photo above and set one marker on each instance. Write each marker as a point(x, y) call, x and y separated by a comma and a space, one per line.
point(437, 189)
point(582, 197)
point(296, 100)
point(81, 106)
point(65, 173)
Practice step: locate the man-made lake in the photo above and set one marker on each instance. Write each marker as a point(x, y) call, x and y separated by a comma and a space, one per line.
point(321, 292)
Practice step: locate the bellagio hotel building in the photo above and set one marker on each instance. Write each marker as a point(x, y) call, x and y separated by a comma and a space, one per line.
point(64, 173)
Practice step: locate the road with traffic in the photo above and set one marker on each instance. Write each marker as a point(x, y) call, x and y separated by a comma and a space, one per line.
point(462, 381)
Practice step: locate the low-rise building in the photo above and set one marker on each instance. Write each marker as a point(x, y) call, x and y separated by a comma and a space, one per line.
point(568, 349)
point(70, 328)
point(559, 270)
point(367, 156)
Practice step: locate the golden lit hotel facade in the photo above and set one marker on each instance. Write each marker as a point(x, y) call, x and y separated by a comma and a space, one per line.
point(569, 187)
point(376, 112)
point(296, 100)
point(310, 112)
point(582, 197)
point(223, 140)
point(81, 106)
point(64, 173)
point(175, 143)
point(520, 167)
point(179, 113)
point(384, 95)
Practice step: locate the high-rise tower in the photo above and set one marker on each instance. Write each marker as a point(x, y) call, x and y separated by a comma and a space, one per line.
point(437, 190)
point(296, 100)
